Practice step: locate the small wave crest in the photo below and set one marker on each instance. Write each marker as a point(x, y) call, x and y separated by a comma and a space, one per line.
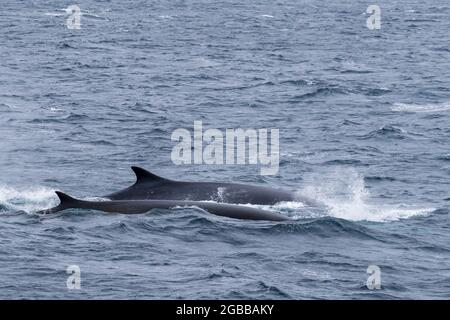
point(436, 107)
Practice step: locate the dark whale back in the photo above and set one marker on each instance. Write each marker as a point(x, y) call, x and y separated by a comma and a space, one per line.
point(151, 186)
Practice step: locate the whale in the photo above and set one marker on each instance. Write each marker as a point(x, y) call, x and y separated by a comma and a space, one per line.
point(151, 186)
point(143, 206)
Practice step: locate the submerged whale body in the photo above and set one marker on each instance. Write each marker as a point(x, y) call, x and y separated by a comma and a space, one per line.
point(143, 206)
point(150, 186)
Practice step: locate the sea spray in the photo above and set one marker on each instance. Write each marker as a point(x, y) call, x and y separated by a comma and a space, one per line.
point(344, 192)
point(28, 199)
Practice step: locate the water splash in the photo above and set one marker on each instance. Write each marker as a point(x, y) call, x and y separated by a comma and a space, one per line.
point(28, 200)
point(344, 193)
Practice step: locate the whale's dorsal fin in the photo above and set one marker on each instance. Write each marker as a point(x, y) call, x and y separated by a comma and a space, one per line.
point(143, 175)
point(65, 199)
point(66, 202)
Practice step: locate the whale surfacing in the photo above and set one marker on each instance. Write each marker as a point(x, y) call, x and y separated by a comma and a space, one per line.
point(143, 206)
point(151, 186)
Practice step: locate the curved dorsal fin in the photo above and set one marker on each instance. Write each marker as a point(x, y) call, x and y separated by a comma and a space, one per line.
point(64, 198)
point(66, 202)
point(143, 175)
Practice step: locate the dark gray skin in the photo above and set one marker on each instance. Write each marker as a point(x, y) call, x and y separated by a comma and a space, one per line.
point(143, 206)
point(150, 186)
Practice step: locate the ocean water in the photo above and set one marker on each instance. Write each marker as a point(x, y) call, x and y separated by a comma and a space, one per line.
point(364, 128)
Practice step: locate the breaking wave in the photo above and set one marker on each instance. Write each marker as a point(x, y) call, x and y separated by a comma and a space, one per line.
point(405, 107)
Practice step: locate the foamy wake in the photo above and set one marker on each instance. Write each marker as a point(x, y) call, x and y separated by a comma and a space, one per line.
point(28, 200)
point(405, 107)
point(344, 193)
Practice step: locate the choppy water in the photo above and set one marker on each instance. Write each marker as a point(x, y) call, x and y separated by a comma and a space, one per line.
point(364, 125)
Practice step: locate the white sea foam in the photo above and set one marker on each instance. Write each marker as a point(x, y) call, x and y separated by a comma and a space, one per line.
point(28, 200)
point(431, 107)
point(289, 205)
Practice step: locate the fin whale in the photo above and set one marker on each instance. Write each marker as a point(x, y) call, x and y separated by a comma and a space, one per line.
point(151, 186)
point(143, 206)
